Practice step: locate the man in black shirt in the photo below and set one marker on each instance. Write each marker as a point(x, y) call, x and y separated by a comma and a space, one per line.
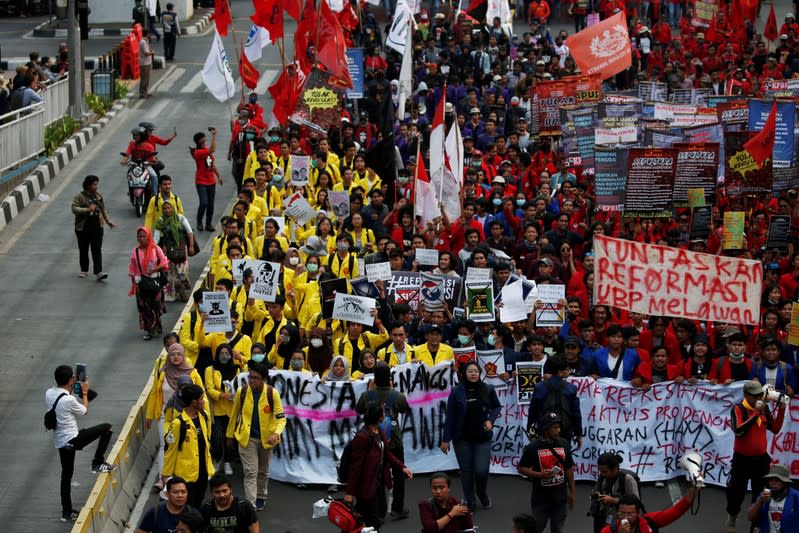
point(164, 517)
point(228, 513)
point(548, 462)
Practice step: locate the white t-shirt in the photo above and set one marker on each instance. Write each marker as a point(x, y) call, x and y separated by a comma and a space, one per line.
point(612, 364)
point(775, 515)
point(65, 411)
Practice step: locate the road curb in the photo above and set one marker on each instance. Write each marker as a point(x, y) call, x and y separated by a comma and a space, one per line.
point(194, 28)
point(29, 189)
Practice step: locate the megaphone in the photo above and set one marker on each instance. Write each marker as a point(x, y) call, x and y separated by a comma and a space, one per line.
point(773, 395)
point(691, 462)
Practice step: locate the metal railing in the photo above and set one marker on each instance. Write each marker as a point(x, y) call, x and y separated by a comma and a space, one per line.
point(56, 101)
point(21, 135)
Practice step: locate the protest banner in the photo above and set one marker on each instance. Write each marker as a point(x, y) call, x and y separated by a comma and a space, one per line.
point(426, 256)
point(376, 271)
point(759, 110)
point(318, 106)
point(492, 363)
point(704, 13)
point(266, 281)
point(281, 224)
point(697, 165)
point(613, 136)
point(432, 291)
point(239, 266)
point(216, 310)
point(530, 293)
point(404, 287)
point(340, 201)
point(650, 182)
point(652, 90)
point(779, 228)
point(355, 65)
point(480, 300)
point(695, 195)
point(603, 48)
point(732, 237)
point(649, 429)
point(568, 91)
point(298, 208)
point(550, 312)
point(528, 374)
point(464, 354)
point(300, 167)
point(585, 138)
point(329, 288)
point(659, 280)
point(353, 308)
point(793, 327)
point(476, 273)
point(733, 112)
point(512, 308)
point(741, 174)
point(701, 222)
point(610, 178)
point(363, 287)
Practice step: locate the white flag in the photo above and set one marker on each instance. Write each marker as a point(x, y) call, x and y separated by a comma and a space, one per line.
point(399, 31)
point(216, 72)
point(257, 39)
point(453, 147)
point(425, 204)
point(405, 78)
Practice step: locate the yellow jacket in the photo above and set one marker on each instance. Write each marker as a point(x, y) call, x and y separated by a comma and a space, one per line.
point(184, 460)
point(251, 164)
point(192, 339)
point(343, 268)
point(369, 187)
point(259, 244)
point(243, 344)
point(155, 209)
point(271, 419)
point(367, 341)
point(389, 354)
point(214, 390)
point(156, 401)
point(366, 237)
point(219, 248)
point(444, 353)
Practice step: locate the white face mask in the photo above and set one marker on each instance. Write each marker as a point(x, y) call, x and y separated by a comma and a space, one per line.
point(294, 260)
point(317, 343)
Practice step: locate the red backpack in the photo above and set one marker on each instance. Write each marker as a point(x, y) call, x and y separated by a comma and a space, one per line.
point(344, 517)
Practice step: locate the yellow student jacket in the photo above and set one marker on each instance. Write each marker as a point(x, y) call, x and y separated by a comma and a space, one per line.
point(272, 420)
point(184, 461)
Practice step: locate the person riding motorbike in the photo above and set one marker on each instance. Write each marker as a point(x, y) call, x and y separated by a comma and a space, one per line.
point(141, 148)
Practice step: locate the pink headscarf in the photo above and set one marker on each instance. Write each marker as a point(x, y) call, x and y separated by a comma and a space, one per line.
point(173, 372)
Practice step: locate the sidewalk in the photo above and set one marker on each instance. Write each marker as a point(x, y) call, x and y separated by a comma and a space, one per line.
point(56, 28)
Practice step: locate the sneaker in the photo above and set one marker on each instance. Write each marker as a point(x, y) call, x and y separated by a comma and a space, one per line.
point(399, 515)
point(101, 276)
point(259, 504)
point(228, 469)
point(209, 227)
point(486, 502)
point(69, 516)
point(659, 484)
point(103, 468)
point(83, 274)
point(731, 519)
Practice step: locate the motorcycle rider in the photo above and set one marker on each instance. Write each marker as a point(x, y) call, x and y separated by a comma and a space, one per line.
point(141, 148)
point(152, 138)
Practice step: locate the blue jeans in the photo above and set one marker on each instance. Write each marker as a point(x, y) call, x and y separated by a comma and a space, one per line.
point(473, 460)
point(206, 195)
point(674, 13)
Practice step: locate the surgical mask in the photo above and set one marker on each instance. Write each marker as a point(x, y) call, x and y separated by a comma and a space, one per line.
point(313, 163)
point(274, 138)
point(342, 246)
point(312, 267)
point(497, 201)
point(224, 358)
point(283, 339)
point(491, 340)
point(258, 357)
point(520, 202)
point(277, 177)
point(402, 179)
point(317, 343)
point(294, 261)
point(297, 364)
point(464, 339)
point(253, 99)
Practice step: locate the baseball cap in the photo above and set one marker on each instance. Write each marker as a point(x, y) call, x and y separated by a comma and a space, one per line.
point(571, 340)
point(753, 387)
point(498, 179)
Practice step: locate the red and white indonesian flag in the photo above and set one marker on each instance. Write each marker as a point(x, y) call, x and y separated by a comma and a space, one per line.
point(444, 158)
point(603, 48)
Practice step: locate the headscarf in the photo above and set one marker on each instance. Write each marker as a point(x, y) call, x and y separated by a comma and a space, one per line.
point(170, 223)
point(320, 358)
point(294, 343)
point(331, 376)
point(228, 370)
point(174, 372)
point(176, 402)
point(149, 253)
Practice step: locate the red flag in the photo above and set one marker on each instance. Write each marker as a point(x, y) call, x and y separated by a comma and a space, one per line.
point(268, 14)
point(249, 74)
point(330, 39)
point(761, 146)
point(603, 48)
point(222, 16)
point(305, 37)
point(770, 30)
point(285, 92)
point(292, 7)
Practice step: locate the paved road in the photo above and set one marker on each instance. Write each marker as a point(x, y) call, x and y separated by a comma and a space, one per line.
point(52, 317)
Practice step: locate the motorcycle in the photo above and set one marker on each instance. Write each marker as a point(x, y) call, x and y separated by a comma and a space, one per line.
point(139, 188)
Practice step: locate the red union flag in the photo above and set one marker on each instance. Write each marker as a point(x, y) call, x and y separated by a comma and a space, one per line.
point(603, 48)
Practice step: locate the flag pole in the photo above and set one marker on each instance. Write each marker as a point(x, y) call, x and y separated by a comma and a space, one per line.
point(443, 145)
point(415, 179)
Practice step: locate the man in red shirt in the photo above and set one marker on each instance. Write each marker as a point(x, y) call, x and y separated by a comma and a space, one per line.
point(465, 221)
point(630, 518)
point(750, 420)
point(205, 178)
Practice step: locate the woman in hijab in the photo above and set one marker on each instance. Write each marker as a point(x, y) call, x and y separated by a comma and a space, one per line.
point(367, 367)
point(288, 340)
point(218, 386)
point(146, 261)
point(339, 370)
point(174, 235)
point(320, 351)
point(168, 381)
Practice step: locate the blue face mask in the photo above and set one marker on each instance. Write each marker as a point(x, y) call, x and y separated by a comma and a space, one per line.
point(491, 340)
point(258, 357)
point(464, 339)
point(274, 138)
point(520, 202)
point(497, 201)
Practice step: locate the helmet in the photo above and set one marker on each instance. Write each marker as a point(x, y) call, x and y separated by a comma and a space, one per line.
point(138, 130)
point(149, 126)
point(546, 421)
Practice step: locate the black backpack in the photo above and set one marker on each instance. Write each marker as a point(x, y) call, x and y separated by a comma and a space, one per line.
point(50, 420)
point(344, 462)
point(555, 402)
point(16, 99)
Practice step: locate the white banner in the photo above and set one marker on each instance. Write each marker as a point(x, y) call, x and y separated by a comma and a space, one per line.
point(216, 71)
point(649, 429)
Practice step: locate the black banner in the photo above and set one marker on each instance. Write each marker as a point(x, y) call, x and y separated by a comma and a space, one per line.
point(650, 182)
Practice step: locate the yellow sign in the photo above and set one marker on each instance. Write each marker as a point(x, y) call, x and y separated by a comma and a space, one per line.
point(793, 327)
point(320, 98)
point(733, 236)
point(742, 162)
point(696, 197)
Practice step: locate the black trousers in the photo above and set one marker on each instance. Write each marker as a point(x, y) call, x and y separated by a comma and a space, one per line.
point(373, 510)
point(398, 481)
point(91, 236)
point(745, 469)
point(196, 489)
point(170, 39)
point(67, 456)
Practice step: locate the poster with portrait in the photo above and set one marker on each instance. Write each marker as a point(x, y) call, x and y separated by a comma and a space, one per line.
point(300, 168)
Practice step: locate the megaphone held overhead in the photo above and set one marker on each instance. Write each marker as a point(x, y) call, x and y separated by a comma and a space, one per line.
point(691, 462)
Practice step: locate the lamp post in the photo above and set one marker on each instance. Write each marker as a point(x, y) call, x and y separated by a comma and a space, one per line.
point(76, 107)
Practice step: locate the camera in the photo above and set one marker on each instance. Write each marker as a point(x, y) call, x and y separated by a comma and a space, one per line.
point(595, 507)
point(211, 129)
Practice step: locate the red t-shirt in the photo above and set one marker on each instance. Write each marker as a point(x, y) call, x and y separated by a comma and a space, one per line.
point(204, 159)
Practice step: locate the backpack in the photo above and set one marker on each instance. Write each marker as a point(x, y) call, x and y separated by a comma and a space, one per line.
point(344, 462)
point(16, 99)
point(184, 428)
point(50, 420)
point(555, 402)
point(387, 424)
point(622, 479)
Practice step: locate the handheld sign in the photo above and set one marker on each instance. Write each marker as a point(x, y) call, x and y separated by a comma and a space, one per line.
point(354, 308)
point(216, 307)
